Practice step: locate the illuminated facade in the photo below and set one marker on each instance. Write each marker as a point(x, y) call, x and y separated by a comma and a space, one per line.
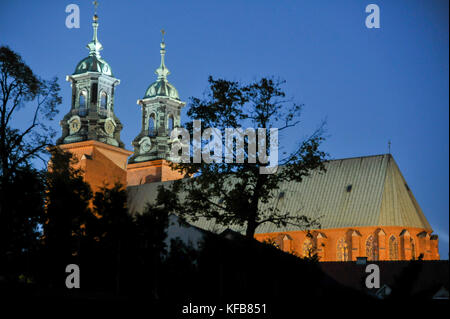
point(363, 204)
point(365, 208)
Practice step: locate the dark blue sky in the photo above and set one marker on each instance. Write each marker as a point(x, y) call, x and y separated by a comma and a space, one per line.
point(372, 85)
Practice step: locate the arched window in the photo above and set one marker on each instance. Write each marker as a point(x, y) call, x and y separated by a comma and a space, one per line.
point(83, 99)
point(307, 248)
point(393, 248)
point(103, 101)
point(413, 248)
point(371, 248)
point(342, 250)
point(151, 125)
point(170, 123)
point(82, 102)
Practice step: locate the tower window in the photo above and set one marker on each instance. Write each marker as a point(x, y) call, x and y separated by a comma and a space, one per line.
point(349, 188)
point(151, 125)
point(103, 101)
point(170, 123)
point(82, 102)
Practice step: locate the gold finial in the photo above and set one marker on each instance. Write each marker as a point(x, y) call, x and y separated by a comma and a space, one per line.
point(163, 33)
point(95, 3)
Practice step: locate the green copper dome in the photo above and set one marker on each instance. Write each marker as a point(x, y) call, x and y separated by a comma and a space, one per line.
point(162, 87)
point(94, 62)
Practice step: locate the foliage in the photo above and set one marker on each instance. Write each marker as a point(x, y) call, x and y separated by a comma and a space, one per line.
point(232, 193)
point(111, 214)
point(21, 232)
point(21, 186)
point(21, 88)
point(66, 212)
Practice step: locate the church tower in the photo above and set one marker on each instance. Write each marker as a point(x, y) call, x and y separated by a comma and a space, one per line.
point(91, 116)
point(91, 130)
point(160, 109)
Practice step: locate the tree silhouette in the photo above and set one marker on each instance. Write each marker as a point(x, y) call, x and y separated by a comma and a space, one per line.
point(66, 213)
point(151, 230)
point(20, 184)
point(112, 228)
point(232, 193)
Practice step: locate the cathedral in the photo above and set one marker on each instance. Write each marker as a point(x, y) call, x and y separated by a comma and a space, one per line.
point(364, 204)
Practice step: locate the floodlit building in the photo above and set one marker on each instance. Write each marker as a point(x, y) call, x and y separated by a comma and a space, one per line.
point(364, 204)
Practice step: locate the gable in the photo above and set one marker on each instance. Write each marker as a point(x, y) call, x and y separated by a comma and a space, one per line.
point(399, 206)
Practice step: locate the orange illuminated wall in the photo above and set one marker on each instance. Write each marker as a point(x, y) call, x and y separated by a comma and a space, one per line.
point(346, 244)
point(151, 171)
point(103, 164)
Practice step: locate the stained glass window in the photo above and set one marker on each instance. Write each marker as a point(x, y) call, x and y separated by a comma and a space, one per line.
point(307, 248)
point(371, 248)
point(393, 248)
point(342, 250)
point(413, 248)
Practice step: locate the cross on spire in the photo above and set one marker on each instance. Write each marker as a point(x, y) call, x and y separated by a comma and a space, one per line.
point(95, 46)
point(95, 3)
point(389, 147)
point(162, 71)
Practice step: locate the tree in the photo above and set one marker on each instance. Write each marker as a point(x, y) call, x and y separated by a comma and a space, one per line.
point(233, 193)
point(67, 210)
point(20, 89)
point(22, 229)
point(113, 228)
point(151, 231)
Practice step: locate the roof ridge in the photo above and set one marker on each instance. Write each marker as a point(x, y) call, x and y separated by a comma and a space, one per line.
point(359, 157)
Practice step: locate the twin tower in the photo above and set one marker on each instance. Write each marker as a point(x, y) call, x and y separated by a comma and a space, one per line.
point(91, 130)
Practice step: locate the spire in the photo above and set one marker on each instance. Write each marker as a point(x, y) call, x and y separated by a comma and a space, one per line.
point(162, 71)
point(162, 87)
point(95, 46)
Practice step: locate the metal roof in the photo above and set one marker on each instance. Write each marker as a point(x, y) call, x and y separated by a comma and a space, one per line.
point(353, 192)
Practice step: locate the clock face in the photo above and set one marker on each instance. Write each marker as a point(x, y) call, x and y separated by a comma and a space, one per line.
point(74, 125)
point(146, 145)
point(109, 127)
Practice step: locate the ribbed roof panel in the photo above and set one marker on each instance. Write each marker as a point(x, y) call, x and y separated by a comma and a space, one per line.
point(378, 196)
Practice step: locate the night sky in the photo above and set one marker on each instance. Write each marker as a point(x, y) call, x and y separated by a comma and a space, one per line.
point(370, 85)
